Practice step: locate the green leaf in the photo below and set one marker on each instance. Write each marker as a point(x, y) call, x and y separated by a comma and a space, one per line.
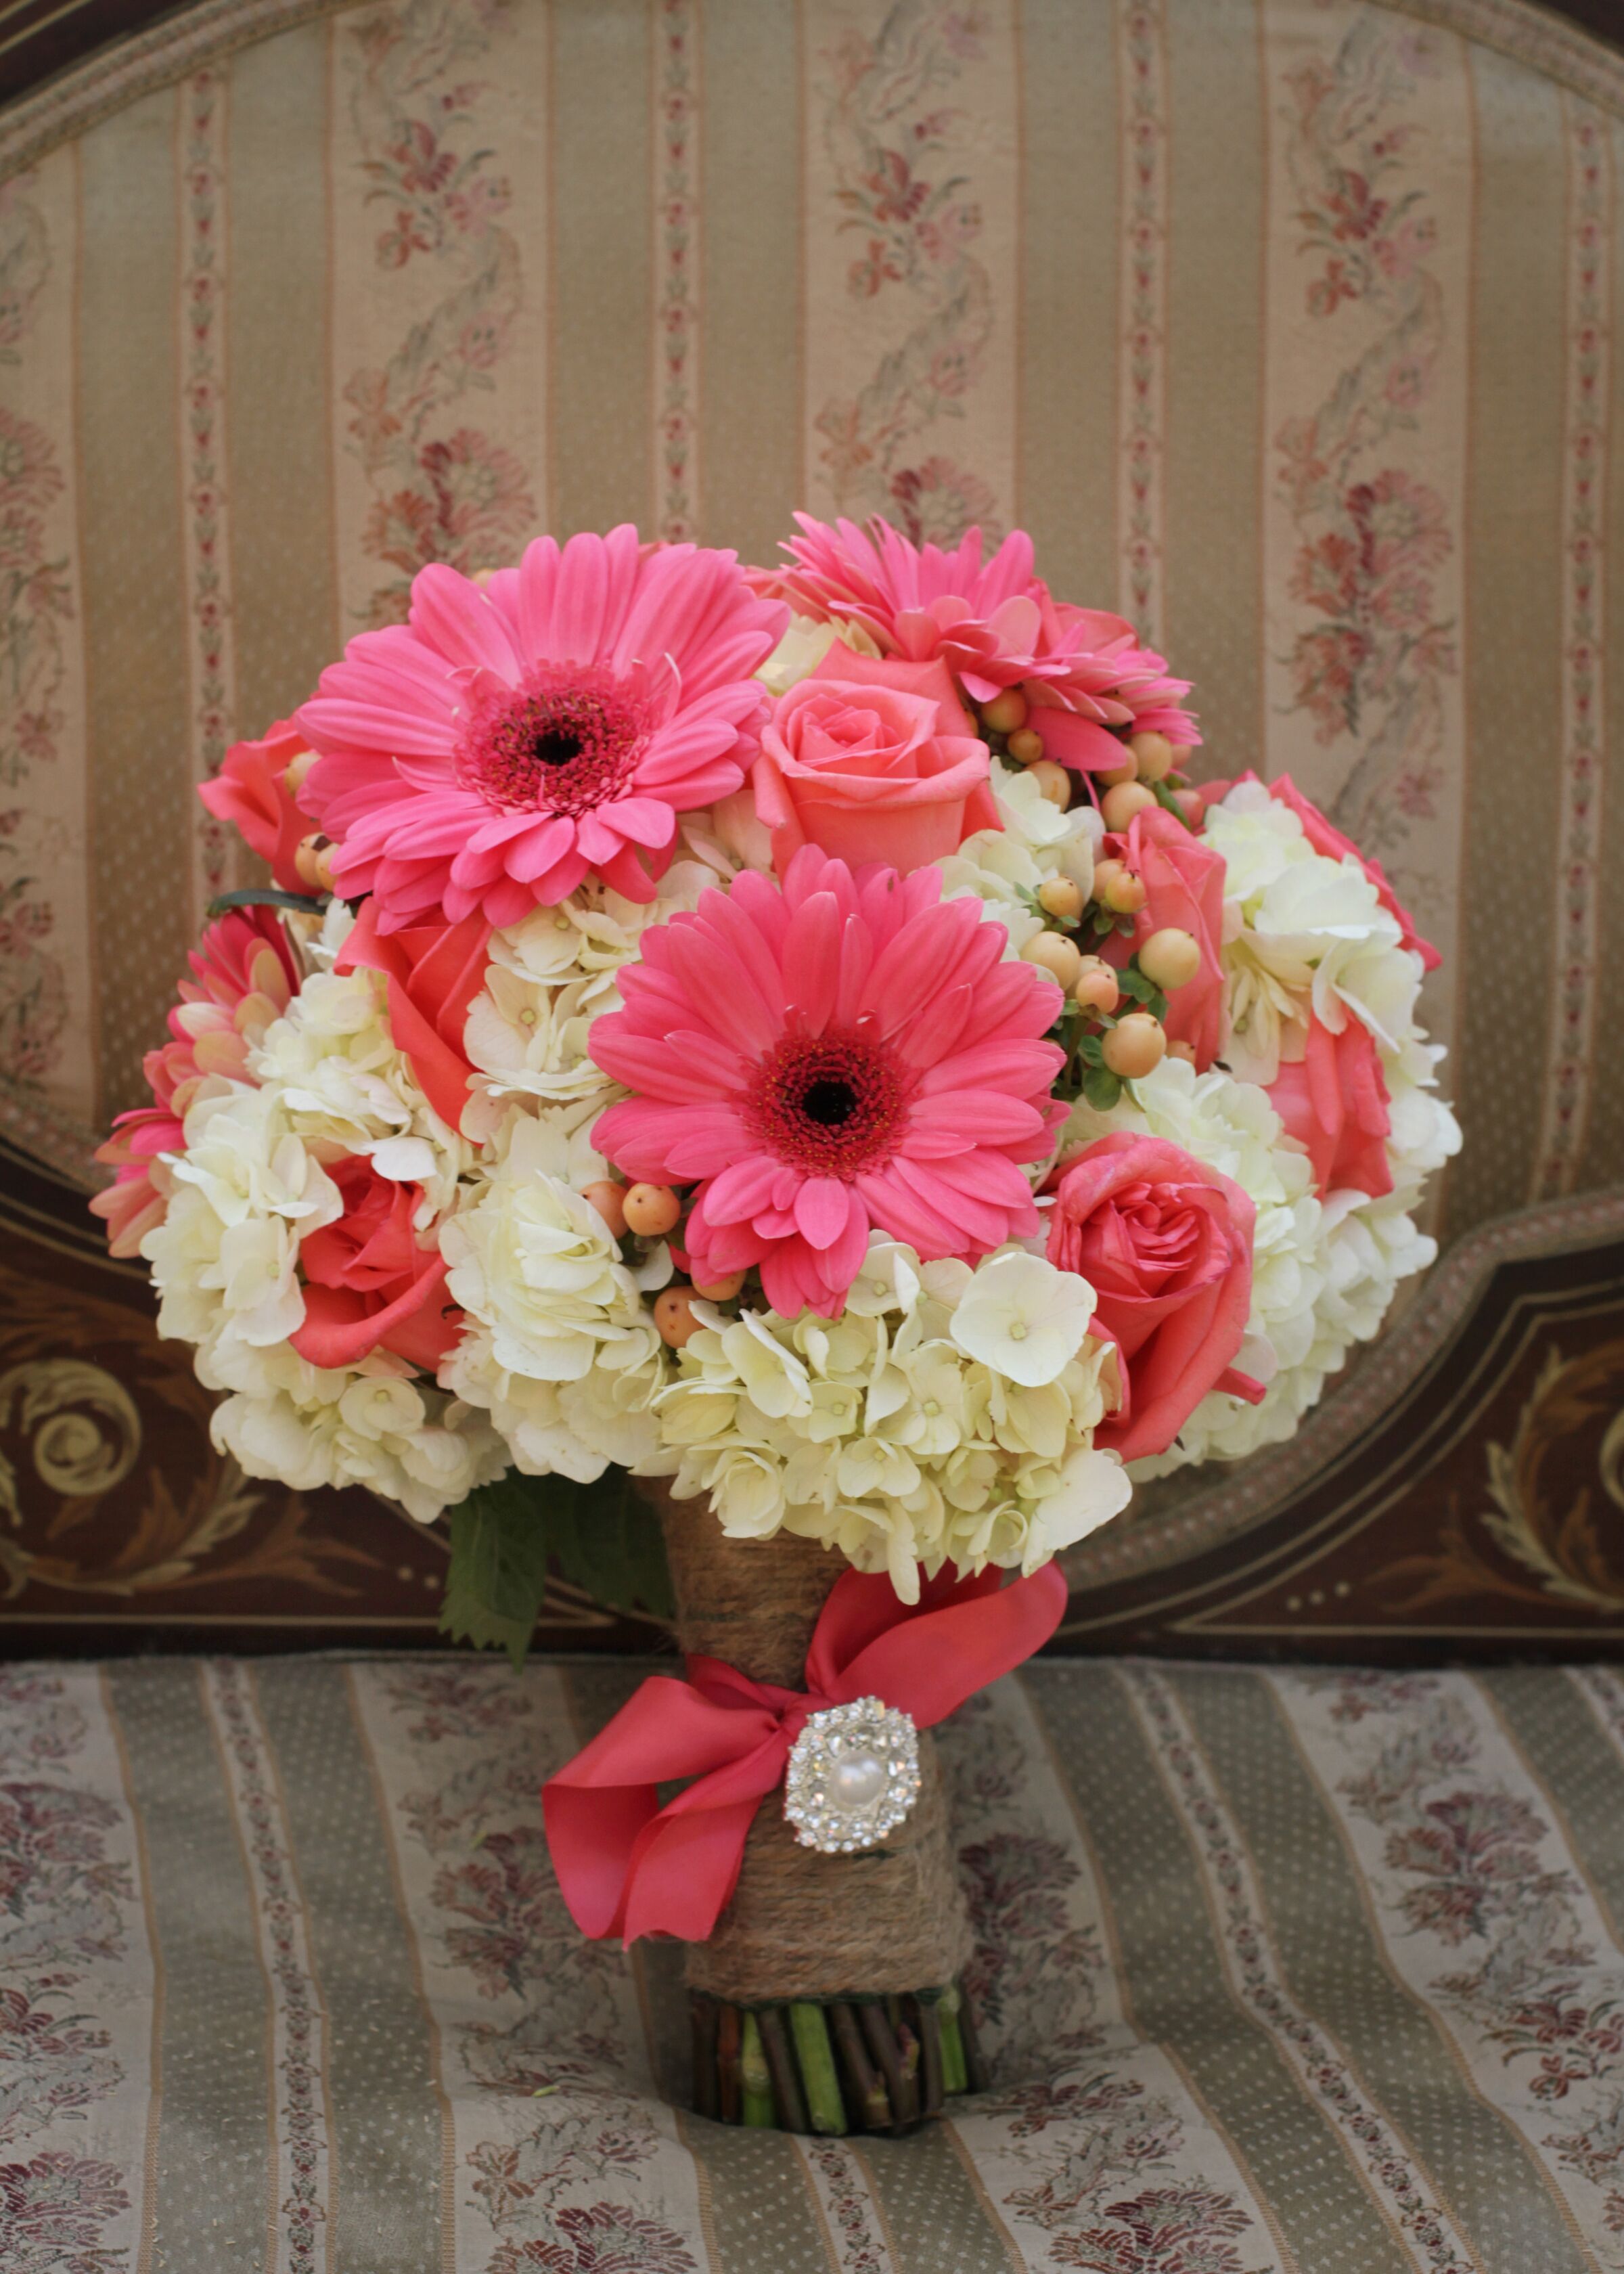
point(498, 1572)
point(1168, 803)
point(264, 896)
point(1102, 1088)
point(602, 1537)
point(607, 1540)
point(1091, 1050)
point(1134, 982)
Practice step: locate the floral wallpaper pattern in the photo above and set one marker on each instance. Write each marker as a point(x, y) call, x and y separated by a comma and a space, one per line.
point(441, 488)
point(894, 92)
point(36, 613)
point(1376, 645)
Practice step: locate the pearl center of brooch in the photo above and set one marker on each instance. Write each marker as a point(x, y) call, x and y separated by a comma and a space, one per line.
point(853, 1776)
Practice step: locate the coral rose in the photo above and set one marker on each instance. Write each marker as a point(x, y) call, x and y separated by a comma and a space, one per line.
point(1333, 1100)
point(872, 760)
point(243, 976)
point(368, 1283)
point(250, 791)
point(1184, 884)
point(433, 972)
point(1166, 1244)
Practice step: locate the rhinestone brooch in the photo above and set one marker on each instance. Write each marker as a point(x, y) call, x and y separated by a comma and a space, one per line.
point(852, 1775)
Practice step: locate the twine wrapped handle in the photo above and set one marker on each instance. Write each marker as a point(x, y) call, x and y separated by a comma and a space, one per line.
point(628, 1867)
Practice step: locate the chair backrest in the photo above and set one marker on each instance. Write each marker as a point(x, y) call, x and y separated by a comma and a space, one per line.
point(1286, 326)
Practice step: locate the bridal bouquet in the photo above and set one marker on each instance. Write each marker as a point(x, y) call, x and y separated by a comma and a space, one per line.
point(791, 1051)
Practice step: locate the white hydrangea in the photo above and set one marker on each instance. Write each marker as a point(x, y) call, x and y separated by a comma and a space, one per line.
point(249, 1187)
point(374, 1424)
point(559, 1344)
point(1004, 867)
point(1303, 934)
point(947, 1415)
point(549, 977)
point(337, 1074)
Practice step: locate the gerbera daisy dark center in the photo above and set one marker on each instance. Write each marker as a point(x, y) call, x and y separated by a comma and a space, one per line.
point(831, 1105)
point(567, 741)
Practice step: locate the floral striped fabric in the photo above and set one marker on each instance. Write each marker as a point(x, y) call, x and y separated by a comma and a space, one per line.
point(1286, 325)
point(1279, 1973)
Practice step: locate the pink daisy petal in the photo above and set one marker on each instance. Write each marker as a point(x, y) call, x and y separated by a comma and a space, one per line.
point(896, 1208)
point(643, 819)
point(984, 1225)
point(1025, 1069)
point(812, 960)
point(703, 1140)
point(975, 1118)
point(504, 903)
point(740, 1191)
point(456, 617)
point(538, 848)
point(820, 1210)
point(988, 1175)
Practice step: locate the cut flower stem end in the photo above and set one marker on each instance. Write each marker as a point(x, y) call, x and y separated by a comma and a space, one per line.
point(834, 2066)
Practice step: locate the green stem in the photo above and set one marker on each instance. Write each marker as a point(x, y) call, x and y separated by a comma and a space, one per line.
point(755, 2077)
point(975, 2068)
point(817, 2067)
point(954, 2077)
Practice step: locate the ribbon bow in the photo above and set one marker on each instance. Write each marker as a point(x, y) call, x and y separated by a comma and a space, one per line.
point(628, 1866)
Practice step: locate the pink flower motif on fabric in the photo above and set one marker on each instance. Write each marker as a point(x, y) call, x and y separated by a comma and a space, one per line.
point(846, 1056)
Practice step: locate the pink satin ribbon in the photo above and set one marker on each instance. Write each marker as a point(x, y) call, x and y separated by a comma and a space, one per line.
point(628, 1867)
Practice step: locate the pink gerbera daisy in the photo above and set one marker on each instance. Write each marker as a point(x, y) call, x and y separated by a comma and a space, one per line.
point(846, 1055)
point(997, 626)
point(243, 978)
point(511, 739)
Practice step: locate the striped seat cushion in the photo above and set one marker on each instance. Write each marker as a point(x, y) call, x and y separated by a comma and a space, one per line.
point(1279, 1973)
